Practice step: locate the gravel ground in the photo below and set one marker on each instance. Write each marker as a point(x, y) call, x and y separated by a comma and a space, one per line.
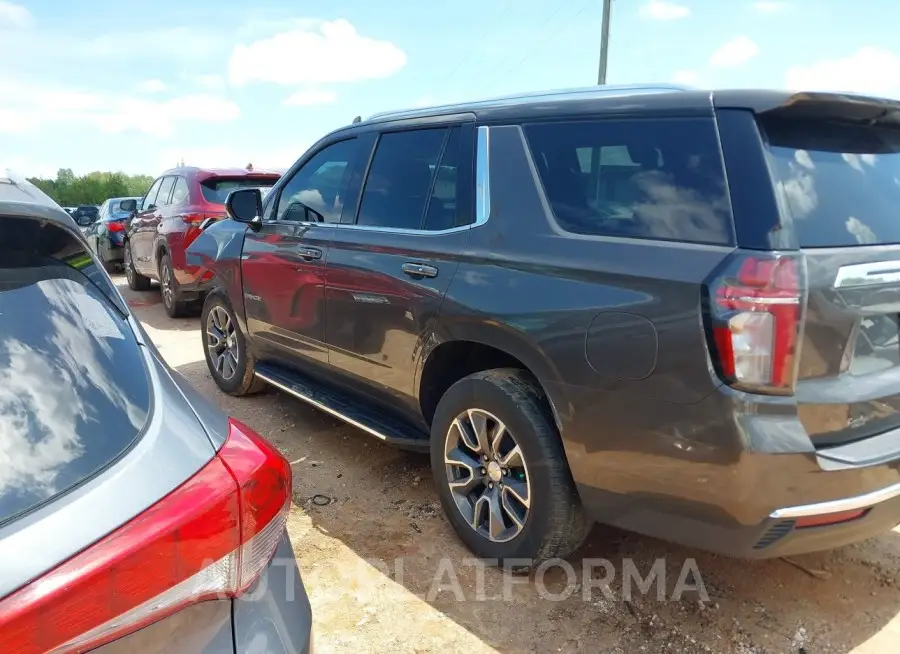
point(386, 574)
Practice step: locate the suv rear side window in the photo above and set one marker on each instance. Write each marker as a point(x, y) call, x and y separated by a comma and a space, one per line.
point(398, 185)
point(656, 179)
point(841, 182)
point(74, 392)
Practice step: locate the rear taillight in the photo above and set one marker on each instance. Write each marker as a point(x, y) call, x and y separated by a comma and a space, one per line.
point(755, 313)
point(115, 226)
point(210, 538)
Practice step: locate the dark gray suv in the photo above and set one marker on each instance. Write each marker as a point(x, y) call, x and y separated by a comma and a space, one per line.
point(134, 515)
point(671, 310)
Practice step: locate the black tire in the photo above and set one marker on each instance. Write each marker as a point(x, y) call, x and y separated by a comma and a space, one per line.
point(110, 267)
point(136, 281)
point(244, 381)
point(555, 525)
point(175, 306)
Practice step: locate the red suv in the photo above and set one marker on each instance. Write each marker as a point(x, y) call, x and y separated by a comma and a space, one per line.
point(168, 219)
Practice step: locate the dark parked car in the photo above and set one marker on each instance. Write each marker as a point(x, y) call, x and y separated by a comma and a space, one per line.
point(85, 215)
point(106, 235)
point(134, 515)
point(671, 310)
point(169, 219)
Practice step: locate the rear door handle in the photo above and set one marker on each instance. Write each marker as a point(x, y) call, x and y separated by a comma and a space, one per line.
point(419, 270)
point(310, 253)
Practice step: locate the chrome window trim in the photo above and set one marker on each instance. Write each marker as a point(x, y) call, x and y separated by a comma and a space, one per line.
point(482, 197)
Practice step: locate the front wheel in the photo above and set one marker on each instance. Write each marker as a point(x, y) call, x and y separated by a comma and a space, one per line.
point(501, 472)
point(229, 359)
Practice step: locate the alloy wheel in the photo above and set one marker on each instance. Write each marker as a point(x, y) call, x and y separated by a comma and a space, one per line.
point(165, 282)
point(129, 270)
point(487, 475)
point(221, 341)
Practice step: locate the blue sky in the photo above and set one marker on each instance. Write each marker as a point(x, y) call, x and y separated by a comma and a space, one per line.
point(108, 85)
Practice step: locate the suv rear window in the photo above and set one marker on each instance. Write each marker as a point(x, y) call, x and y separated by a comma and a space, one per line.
point(216, 190)
point(74, 393)
point(646, 178)
point(841, 182)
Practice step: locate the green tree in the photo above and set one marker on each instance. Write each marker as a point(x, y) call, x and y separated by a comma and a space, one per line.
point(70, 190)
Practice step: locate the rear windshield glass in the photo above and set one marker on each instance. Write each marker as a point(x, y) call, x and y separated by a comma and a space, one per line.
point(74, 393)
point(655, 179)
point(217, 190)
point(840, 182)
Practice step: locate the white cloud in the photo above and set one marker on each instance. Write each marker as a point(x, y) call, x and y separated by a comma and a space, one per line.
point(870, 69)
point(662, 10)
point(737, 51)
point(769, 6)
point(14, 16)
point(26, 106)
point(331, 52)
point(151, 86)
point(686, 77)
point(308, 97)
point(210, 82)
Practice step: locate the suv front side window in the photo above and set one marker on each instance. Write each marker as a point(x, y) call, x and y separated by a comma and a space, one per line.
point(150, 198)
point(315, 192)
point(164, 190)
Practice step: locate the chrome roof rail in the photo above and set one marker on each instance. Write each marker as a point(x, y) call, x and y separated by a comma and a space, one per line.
point(582, 93)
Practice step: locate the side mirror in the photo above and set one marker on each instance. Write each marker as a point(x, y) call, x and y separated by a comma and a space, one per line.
point(245, 206)
point(128, 206)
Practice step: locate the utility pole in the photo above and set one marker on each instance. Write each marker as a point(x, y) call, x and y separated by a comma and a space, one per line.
point(604, 43)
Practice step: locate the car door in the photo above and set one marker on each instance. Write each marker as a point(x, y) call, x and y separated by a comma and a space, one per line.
point(92, 233)
point(155, 220)
point(391, 263)
point(283, 263)
point(139, 235)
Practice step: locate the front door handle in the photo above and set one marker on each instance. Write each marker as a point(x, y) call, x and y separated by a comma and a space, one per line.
point(419, 270)
point(310, 253)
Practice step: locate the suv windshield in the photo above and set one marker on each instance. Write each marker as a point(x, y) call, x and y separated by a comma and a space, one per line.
point(74, 393)
point(841, 182)
point(216, 190)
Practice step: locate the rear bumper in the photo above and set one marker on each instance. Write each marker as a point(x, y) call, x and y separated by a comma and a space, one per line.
point(110, 252)
point(726, 477)
point(274, 616)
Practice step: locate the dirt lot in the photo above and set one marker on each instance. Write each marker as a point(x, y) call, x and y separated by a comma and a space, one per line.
point(386, 574)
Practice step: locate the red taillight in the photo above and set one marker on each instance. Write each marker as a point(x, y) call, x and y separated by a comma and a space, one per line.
point(210, 538)
point(756, 311)
point(825, 519)
point(115, 226)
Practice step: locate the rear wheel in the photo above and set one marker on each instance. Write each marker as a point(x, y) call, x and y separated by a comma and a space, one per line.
point(175, 306)
point(230, 361)
point(501, 473)
point(136, 281)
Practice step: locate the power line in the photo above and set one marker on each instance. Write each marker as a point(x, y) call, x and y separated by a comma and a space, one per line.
point(543, 41)
point(492, 24)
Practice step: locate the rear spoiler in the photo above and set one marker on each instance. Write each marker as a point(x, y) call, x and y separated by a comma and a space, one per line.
point(844, 107)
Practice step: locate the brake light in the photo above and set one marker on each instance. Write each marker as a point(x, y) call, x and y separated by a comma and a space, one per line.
point(210, 538)
point(115, 226)
point(756, 312)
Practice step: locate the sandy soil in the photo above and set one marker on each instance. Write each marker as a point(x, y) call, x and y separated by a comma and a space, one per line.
point(386, 574)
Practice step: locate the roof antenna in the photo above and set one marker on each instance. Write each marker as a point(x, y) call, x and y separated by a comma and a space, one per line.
point(358, 119)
